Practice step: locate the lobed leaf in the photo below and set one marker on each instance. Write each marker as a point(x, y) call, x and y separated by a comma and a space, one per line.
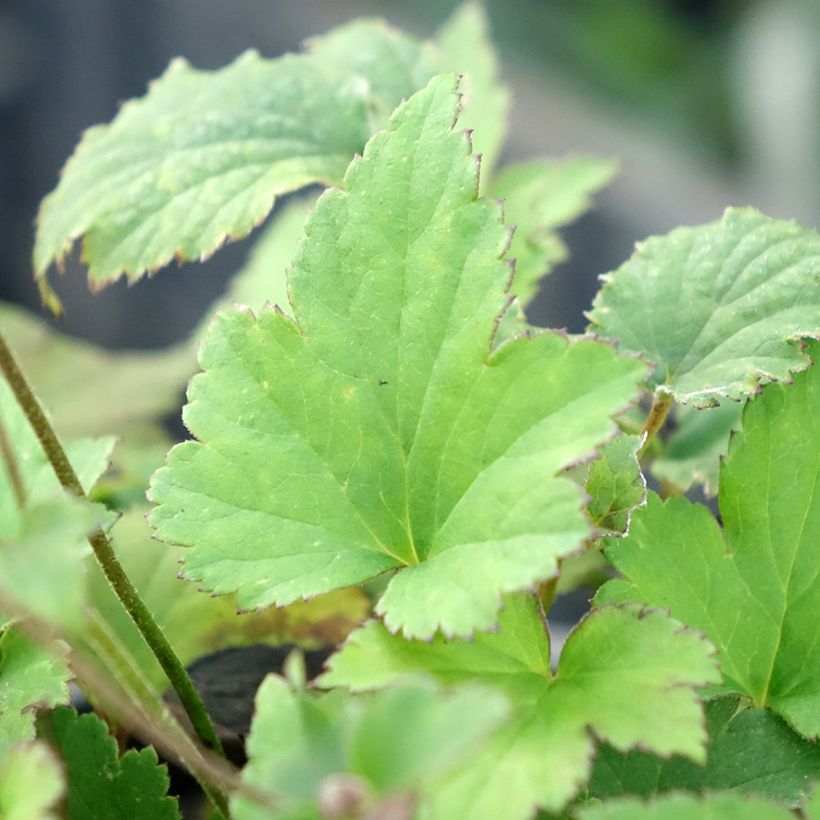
point(718, 308)
point(751, 751)
point(539, 197)
point(379, 429)
point(31, 783)
point(373, 751)
point(755, 586)
point(627, 676)
point(103, 785)
point(684, 807)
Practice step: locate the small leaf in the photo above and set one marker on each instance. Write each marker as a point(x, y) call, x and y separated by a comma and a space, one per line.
point(539, 197)
point(719, 307)
point(31, 783)
point(691, 455)
point(32, 678)
point(751, 751)
point(754, 587)
point(340, 445)
point(197, 624)
point(624, 675)
point(303, 748)
point(615, 484)
point(101, 785)
point(120, 389)
point(681, 807)
point(466, 48)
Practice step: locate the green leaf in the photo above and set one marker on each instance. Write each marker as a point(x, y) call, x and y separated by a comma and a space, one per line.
point(101, 785)
point(91, 390)
point(615, 484)
point(751, 751)
point(197, 624)
point(692, 453)
point(627, 676)
point(32, 678)
point(539, 197)
point(754, 587)
point(682, 807)
point(812, 807)
point(41, 565)
point(465, 44)
point(31, 783)
point(340, 445)
point(302, 748)
point(719, 307)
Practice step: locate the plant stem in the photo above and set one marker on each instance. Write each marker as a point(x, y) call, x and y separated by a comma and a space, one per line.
point(661, 405)
point(12, 467)
point(113, 571)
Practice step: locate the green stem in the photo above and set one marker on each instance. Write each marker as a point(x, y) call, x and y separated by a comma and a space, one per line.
point(661, 405)
point(113, 571)
point(12, 467)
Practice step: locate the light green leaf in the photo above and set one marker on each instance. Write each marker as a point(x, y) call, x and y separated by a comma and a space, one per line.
point(340, 445)
point(692, 453)
point(197, 624)
point(751, 751)
point(391, 65)
point(102, 785)
point(392, 743)
point(41, 565)
point(624, 675)
point(539, 197)
point(91, 390)
point(465, 45)
point(615, 484)
point(149, 186)
point(755, 587)
point(812, 808)
point(32, 678)
point(681, 807)
point(719, 307)
point(31, 783)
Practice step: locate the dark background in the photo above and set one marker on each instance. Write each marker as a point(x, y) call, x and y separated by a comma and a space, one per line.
point(706, 103)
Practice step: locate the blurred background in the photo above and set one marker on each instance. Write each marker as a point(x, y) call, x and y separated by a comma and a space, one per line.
point(704, 102)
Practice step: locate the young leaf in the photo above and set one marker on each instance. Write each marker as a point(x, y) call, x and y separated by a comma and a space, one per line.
point(754, 587)
point(539, 197)
point(31, 783)
point(751, 751)
point(466, 47)
point(719, 307)
point(306, 750)
point(32, 678)
point(615, 484)
point(120, 389)
point(380, 429)
point(625, 675)
point(198, 624)
point(101, 785)
point(682, 807)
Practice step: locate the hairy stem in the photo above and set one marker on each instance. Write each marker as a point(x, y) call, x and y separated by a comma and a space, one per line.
point(12, 467)
point(661, 405)
point(113, 571)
